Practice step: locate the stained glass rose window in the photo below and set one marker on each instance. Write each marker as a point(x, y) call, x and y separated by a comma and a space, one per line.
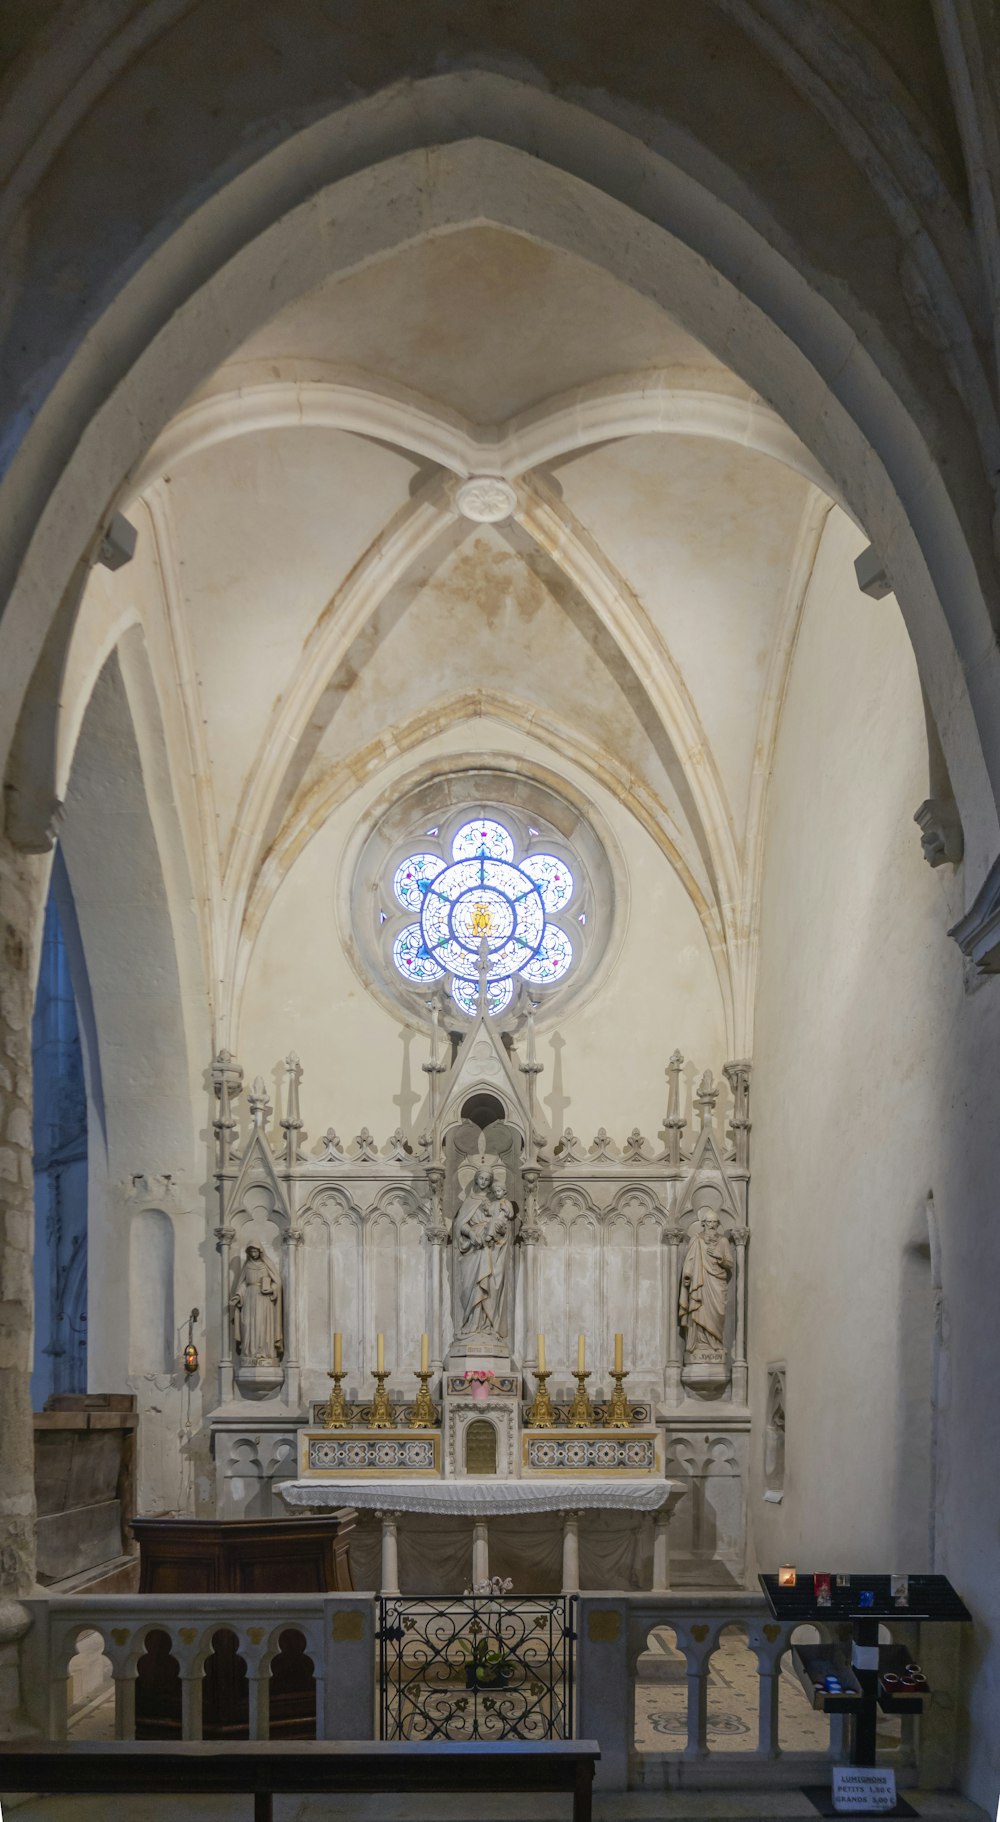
point(483, 899)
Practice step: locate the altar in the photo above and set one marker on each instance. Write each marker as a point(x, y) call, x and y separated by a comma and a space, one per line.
point(485, 1503)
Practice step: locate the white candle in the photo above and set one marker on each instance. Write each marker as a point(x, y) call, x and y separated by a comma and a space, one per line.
point(581, 1354)
point(338, 1352)
point(380, 1353)
point(541, 1353)
point(619, 1365)
point(424, 1354)
point(531, 1033)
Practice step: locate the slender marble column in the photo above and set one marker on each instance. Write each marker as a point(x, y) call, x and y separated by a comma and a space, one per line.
point(529, 1237)
point(480, 1551)
point(768, 1674)
point(740, 1374)
point(390, 1552)
point(192, 1688)
point(292, 1368)
point(224, 1238)
point(124, 1707)
point(673, 1234)
point(697, 1711)
point(661, 1552)
point(59, 1708)
point(259, 1692)
point(571, 1553)
point(437, 1240)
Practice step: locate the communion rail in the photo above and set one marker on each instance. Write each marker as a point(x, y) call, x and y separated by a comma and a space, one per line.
point(625, 1646)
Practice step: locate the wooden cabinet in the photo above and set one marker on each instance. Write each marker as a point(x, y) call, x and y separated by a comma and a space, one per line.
point(236, 1556)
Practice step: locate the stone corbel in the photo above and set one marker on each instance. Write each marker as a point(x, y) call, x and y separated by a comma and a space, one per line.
point(978, 932)
point(941, 835)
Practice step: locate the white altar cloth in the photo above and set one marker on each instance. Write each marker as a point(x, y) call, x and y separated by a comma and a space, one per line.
point(491, 1498)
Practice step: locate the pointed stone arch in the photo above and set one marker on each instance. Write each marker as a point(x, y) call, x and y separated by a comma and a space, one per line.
point(777, 330)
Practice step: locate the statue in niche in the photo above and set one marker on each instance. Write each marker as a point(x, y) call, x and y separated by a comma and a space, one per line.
point(256, 1311)
point(482, 1237)
point(704, 1293)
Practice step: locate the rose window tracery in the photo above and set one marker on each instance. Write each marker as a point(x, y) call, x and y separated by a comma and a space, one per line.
point(486, 896)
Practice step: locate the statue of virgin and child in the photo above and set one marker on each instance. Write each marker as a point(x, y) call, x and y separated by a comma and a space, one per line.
point(482, 1239)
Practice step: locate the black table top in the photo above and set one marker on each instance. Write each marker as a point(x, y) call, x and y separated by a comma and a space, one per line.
point(931, 1597)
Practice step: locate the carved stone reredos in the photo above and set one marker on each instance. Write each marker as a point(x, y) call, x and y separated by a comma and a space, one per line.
point(483, 1066)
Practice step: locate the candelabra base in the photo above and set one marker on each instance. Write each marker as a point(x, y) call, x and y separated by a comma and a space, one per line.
point(424, 1415)
point(380, 1415)
point(541, 1415)
point(618, 1414)
point(581, 1411)
point(336, 1417)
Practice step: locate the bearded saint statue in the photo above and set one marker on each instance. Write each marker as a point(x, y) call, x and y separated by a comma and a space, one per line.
point(708, 1267)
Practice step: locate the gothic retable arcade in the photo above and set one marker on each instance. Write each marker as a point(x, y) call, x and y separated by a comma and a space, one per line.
point(520, 1259)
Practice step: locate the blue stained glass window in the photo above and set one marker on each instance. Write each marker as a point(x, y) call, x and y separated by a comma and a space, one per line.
point(466, 996)
point(482, 904)
point(412, 878)
point(484, 837)
point(552, 877)
point(552, 960)
point(411, 957)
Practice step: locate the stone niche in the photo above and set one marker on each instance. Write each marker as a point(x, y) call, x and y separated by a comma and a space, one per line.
point(708, 1529)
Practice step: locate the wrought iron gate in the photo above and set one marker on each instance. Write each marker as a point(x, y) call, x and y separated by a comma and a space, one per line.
point(477, 1667)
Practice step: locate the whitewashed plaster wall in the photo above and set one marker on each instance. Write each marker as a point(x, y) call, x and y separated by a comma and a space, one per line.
point(147, 1106)
point(604, 1063)
point(874, 1088)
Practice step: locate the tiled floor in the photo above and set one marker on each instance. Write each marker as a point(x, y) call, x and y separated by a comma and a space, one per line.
point(661, 1706)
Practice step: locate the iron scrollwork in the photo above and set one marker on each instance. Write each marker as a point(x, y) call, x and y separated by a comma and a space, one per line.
point(481, 1667)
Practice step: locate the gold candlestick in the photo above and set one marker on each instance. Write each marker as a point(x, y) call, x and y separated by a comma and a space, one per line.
point(581, 1411)
point(541, 1415)
point(336, 1411)
point(424, 1415)
point(380, 1415)
point(618, 1413)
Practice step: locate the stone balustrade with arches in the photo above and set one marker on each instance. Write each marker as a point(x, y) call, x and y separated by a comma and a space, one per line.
point(628, 1648)
point(337, 1632)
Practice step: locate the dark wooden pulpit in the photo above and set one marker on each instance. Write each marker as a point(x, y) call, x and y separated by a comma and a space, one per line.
point(236, 1556)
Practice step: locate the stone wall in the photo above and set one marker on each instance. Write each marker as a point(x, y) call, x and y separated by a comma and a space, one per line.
point(875, 1255)
point(20, 892)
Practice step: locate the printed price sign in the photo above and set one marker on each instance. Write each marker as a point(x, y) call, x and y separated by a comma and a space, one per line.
point(863, 1790)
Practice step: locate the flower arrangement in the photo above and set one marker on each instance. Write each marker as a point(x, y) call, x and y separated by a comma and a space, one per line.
point(486, 1663)
point(480, 1383)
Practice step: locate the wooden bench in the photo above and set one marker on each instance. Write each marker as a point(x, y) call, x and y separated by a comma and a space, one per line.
point(265, 1768)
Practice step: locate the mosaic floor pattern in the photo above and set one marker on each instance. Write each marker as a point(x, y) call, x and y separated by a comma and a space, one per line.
point(661, 1704)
